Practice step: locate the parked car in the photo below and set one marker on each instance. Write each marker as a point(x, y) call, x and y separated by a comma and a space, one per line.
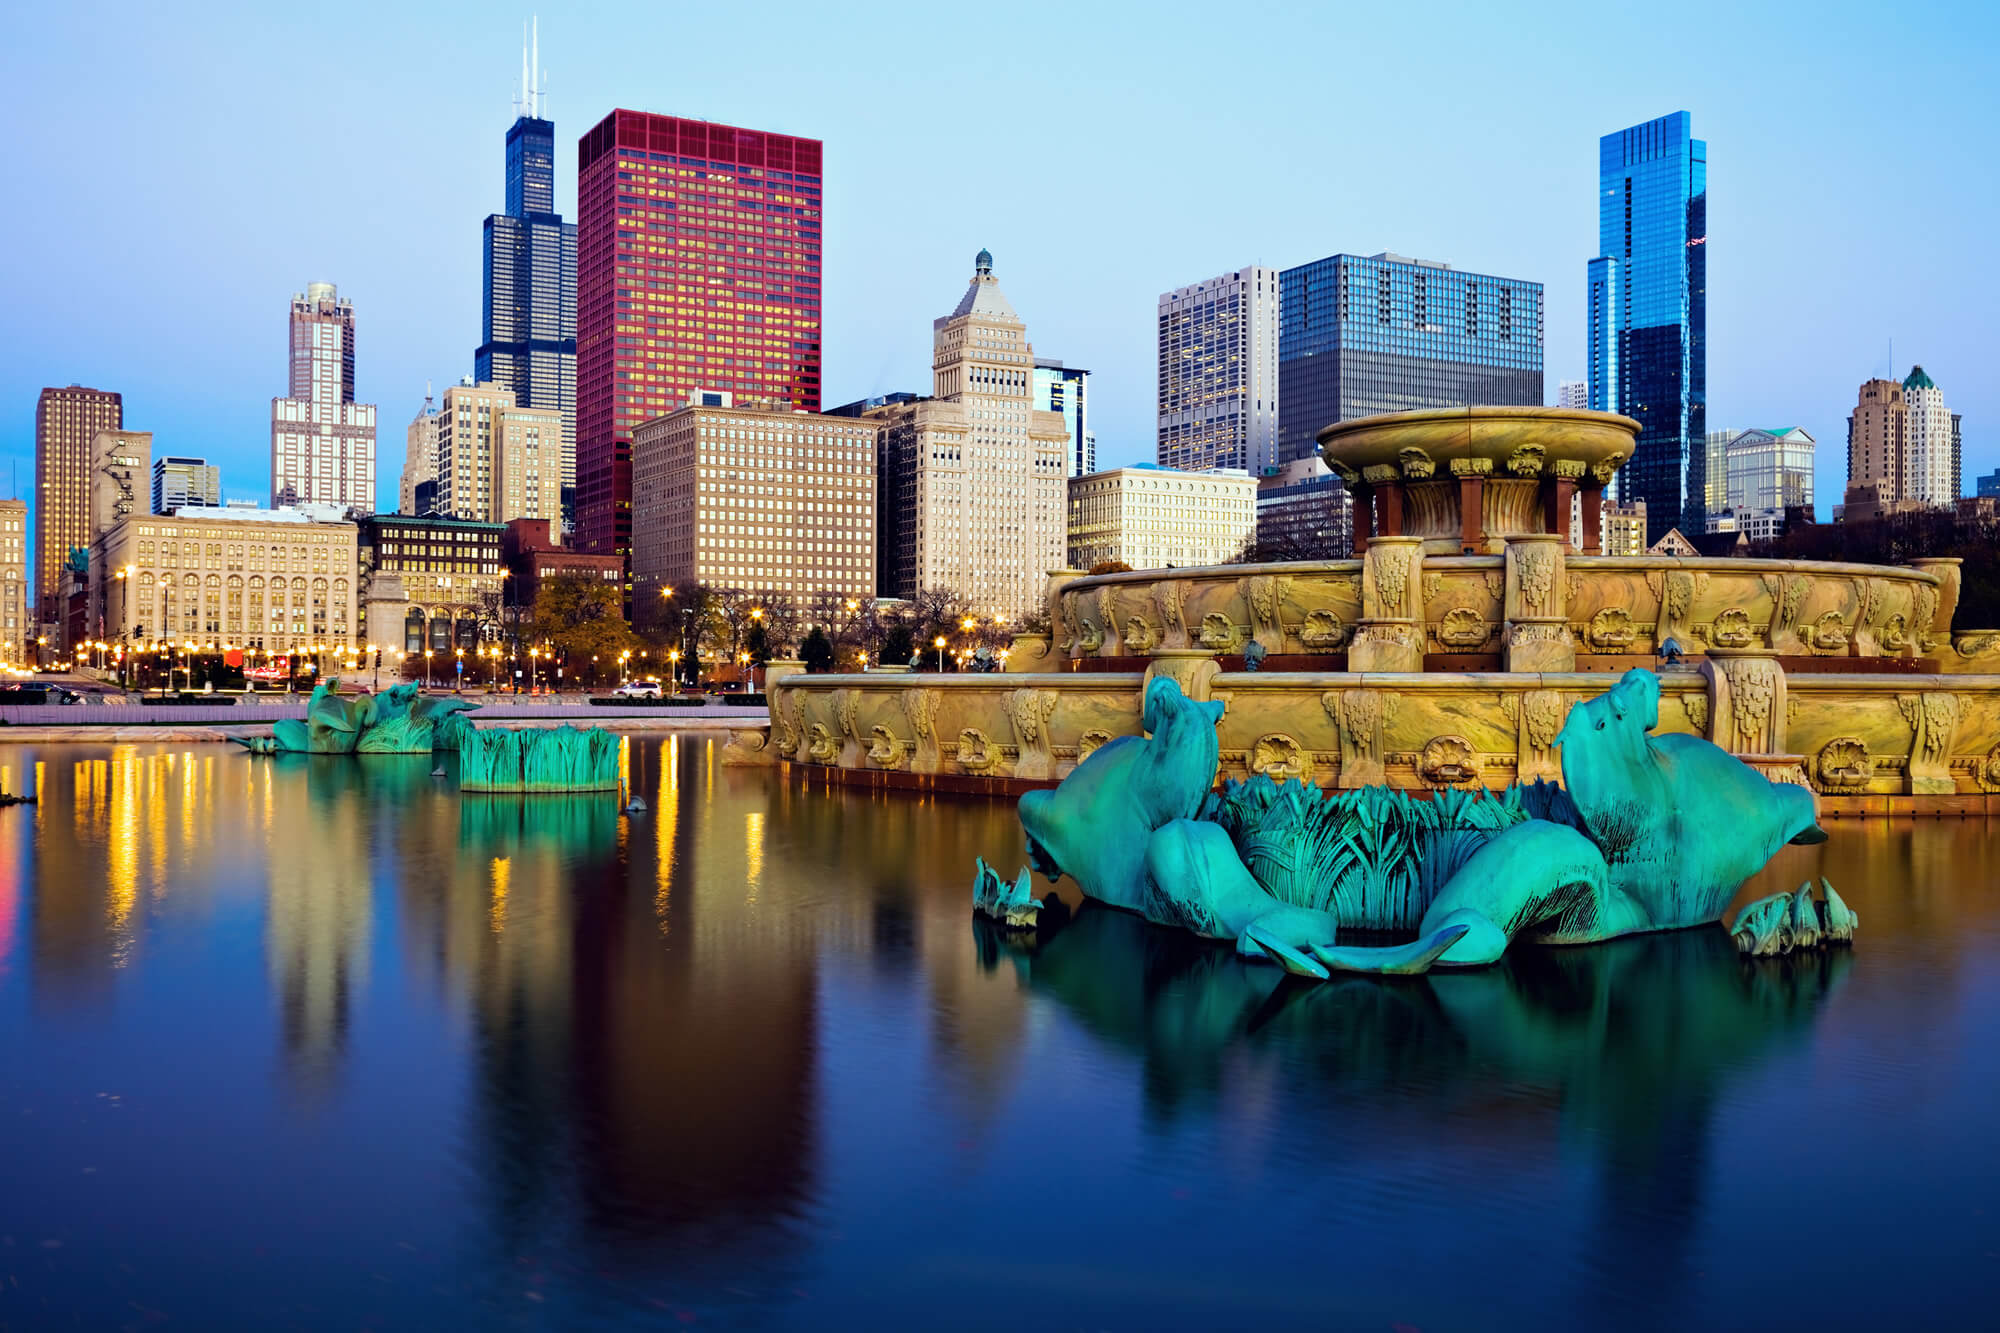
point(38, 692)
point(638, 689)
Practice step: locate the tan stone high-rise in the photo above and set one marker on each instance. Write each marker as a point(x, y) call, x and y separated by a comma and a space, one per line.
point(973, 481)
point(121, 469)
point(1877, 437)
point(772, 502)
point(14, 623)
point(322, 441)
point(420, 464)
point(66, 421)
point(497, 461)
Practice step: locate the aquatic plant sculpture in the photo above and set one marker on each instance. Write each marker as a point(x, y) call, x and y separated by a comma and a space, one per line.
point(1652, 833)
point(538, 759)
point(399, 720)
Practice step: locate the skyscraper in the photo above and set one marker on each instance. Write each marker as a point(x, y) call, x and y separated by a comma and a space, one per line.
point(1218, 386)
point(322, 441)
point(420, 463)
point(1932, 473)
point(496, 460)
point(1648, 313)
point(1066, 389)
point(14, 625)
point(1904, 448)
point(971, 481)
point(185, 481)
point(698, 268)
point(1362, 335)
point(1876, 438)
point(120, 463)
point(66, 422)
point(1573, 394)
point(528, 324)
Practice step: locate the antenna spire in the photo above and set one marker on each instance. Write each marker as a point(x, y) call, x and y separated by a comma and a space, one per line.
point(535, 67)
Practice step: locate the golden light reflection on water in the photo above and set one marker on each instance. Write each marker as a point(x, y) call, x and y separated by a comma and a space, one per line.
point(667, 815)
point(497, 913)
point(753, 853)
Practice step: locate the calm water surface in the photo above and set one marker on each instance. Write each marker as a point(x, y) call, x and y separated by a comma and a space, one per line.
point(320, 1043)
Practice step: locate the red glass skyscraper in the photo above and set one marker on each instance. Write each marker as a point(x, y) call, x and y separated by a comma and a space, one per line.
point(698, 269)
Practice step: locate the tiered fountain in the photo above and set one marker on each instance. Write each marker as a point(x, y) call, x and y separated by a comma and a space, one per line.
point(1450, 651)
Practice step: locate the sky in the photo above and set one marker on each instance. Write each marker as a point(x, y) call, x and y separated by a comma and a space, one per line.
point(177, 172)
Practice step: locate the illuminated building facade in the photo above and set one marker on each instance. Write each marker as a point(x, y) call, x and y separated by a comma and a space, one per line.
point(698, 269)
point(779, 503)
point(67, 421)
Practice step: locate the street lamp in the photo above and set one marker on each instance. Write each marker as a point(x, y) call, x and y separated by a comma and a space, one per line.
point(938, 643)
point(674, 668)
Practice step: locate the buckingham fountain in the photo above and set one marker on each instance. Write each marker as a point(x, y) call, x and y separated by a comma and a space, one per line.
point(1448, 654)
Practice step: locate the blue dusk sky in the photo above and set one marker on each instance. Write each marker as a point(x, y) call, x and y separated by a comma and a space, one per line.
point(177, 172)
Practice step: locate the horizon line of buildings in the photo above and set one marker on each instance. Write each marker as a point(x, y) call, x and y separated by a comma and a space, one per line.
point(648, 378)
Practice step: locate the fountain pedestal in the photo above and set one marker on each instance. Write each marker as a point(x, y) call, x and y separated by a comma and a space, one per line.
point(1537, 604)
point(1390, 636)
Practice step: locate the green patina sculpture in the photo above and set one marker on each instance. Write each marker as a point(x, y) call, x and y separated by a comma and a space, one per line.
point(399, 720)
point(550, 759)
point(1651, 833)
point(1013, 905)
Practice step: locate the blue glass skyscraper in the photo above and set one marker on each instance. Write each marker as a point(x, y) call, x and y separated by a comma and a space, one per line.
point(528, 330)
point(1648, 313)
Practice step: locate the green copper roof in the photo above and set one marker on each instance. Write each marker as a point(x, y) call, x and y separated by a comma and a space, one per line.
point(1918, 380)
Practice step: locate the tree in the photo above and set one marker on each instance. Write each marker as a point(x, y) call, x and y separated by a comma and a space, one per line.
point(817, 651)
point(757, 643)
point(898, 643)
point(582, 617)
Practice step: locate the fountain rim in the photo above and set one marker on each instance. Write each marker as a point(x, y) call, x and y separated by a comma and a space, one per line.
point(1574, 560)
point(1495, 414)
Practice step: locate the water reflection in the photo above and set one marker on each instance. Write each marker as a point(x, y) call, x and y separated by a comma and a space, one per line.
point(749, 1043)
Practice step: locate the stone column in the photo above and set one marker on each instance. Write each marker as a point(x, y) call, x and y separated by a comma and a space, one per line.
point(1390, 636)
point(1471, 474)
point(1593, 517)
point(1364, 516)
point(1387, 481)
point(1537, 604)
point(1557, 492)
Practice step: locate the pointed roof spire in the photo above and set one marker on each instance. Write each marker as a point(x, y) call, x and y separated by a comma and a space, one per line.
point(1917, 380)
point(982, 263)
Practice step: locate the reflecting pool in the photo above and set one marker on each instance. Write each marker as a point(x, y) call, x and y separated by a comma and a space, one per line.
point(320, 1043)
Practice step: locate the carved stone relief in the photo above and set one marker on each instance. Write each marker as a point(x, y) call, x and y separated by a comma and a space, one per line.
point(1323, 631)
point(1843, 764)
point(1218, 632)
point(887, 751)
point(1732, 629)
point(1611, 630)
point(1029, 711)
point(1448, 761)
point(1462, 628)
point(920, 707)
point(1278, 757)
point(976, 754)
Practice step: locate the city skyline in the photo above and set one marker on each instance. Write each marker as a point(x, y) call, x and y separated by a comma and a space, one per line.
point(1850, 278)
